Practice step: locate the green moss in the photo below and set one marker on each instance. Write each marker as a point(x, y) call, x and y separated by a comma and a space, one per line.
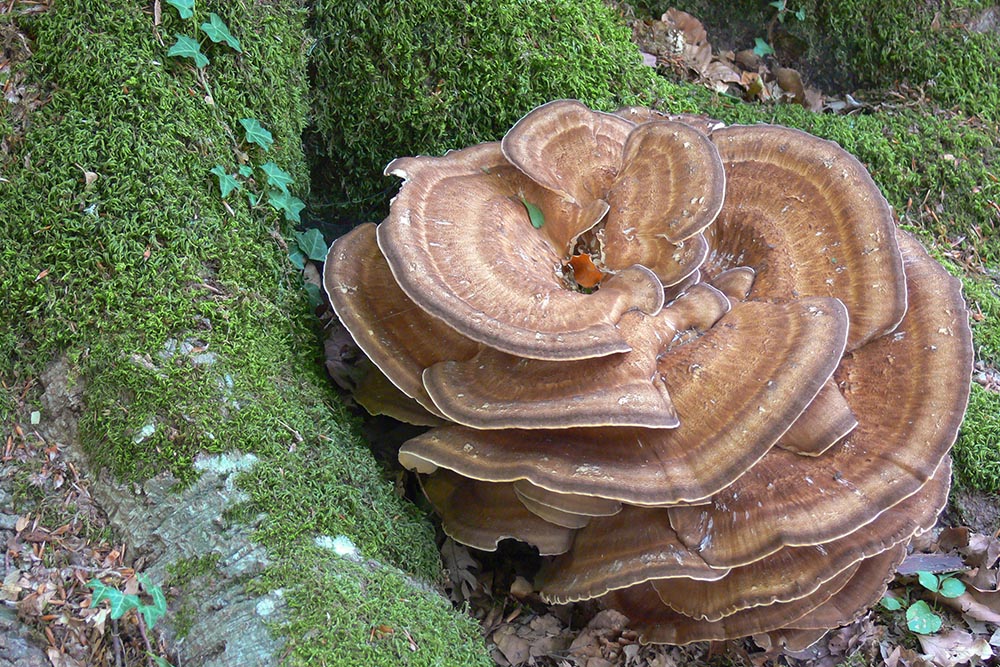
point(350, 613)
point(323, 487)
point(976, 454)
point(400, 78)
point(890, 41)
point(183, 574)
point(983, 296)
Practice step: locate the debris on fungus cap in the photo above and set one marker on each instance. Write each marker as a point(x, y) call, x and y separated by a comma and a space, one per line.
point(688, 363)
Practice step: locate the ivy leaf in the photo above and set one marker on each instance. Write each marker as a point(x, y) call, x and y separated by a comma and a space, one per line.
point(282, 201)
point(184, 7)
point(297, 259)
point(534, 214)
point(256, 134)
point(762, 48)
point(928, 580)
point(311, 243)
point(891, 603)
point(920, 619)
point(951, 587)
point(218, 32)
point(188, 48)
point(801, 14)
point(226, 182)
point(277, 176)
point(120, 603)
point(246, 171)
point(315, 295)
point(152, 613)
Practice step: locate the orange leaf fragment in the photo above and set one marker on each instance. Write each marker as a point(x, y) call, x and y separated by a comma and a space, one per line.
point(584, 272)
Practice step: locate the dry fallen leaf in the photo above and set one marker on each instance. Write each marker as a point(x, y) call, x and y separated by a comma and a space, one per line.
point(521, 588)
point(980, 605)
point(955, 647)
point(515, 649)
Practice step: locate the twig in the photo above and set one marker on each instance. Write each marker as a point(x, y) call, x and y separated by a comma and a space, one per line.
point(116, 643)
point(145, 638)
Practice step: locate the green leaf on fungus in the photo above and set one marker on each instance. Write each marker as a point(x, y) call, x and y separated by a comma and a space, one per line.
point(534, 214)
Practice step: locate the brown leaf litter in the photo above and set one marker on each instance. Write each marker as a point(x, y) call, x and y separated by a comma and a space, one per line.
point(56, 540)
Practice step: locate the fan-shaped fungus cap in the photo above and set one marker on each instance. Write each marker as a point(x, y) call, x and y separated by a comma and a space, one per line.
point(795, 572)
point(400, 338)
point(809, 219)
point(845, 594)
point(792, 500)
point(481, 514)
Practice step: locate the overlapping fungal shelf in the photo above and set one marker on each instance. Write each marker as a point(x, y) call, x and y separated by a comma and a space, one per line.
point(736, 418)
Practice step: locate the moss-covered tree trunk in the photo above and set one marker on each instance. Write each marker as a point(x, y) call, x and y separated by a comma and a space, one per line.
point(159, 325)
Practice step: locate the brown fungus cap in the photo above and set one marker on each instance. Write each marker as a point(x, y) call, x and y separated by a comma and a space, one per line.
point(740, 385)
point(400, 338)
point(807, 217)
point(567, 502)
point(495, 390)
point(481, 514)
point(688, 361)
point(631, 547)
point(794, 572)
point(848, 593)
point(460, 243)
point(792, 500)
point(657, 623)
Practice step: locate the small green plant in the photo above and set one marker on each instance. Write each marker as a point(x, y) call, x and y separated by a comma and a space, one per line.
point(184, 7)
point(309, 245)
point(784, 11)
point(218, 32)
point(762, 48)
point(278, 180)
point(185, 47)
point(256, 133)
point(920, 618)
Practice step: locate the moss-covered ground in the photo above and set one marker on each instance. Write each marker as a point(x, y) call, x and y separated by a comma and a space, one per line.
point(190, 330)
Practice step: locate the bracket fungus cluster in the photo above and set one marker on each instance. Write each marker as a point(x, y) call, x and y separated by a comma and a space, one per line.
point(698, 366)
